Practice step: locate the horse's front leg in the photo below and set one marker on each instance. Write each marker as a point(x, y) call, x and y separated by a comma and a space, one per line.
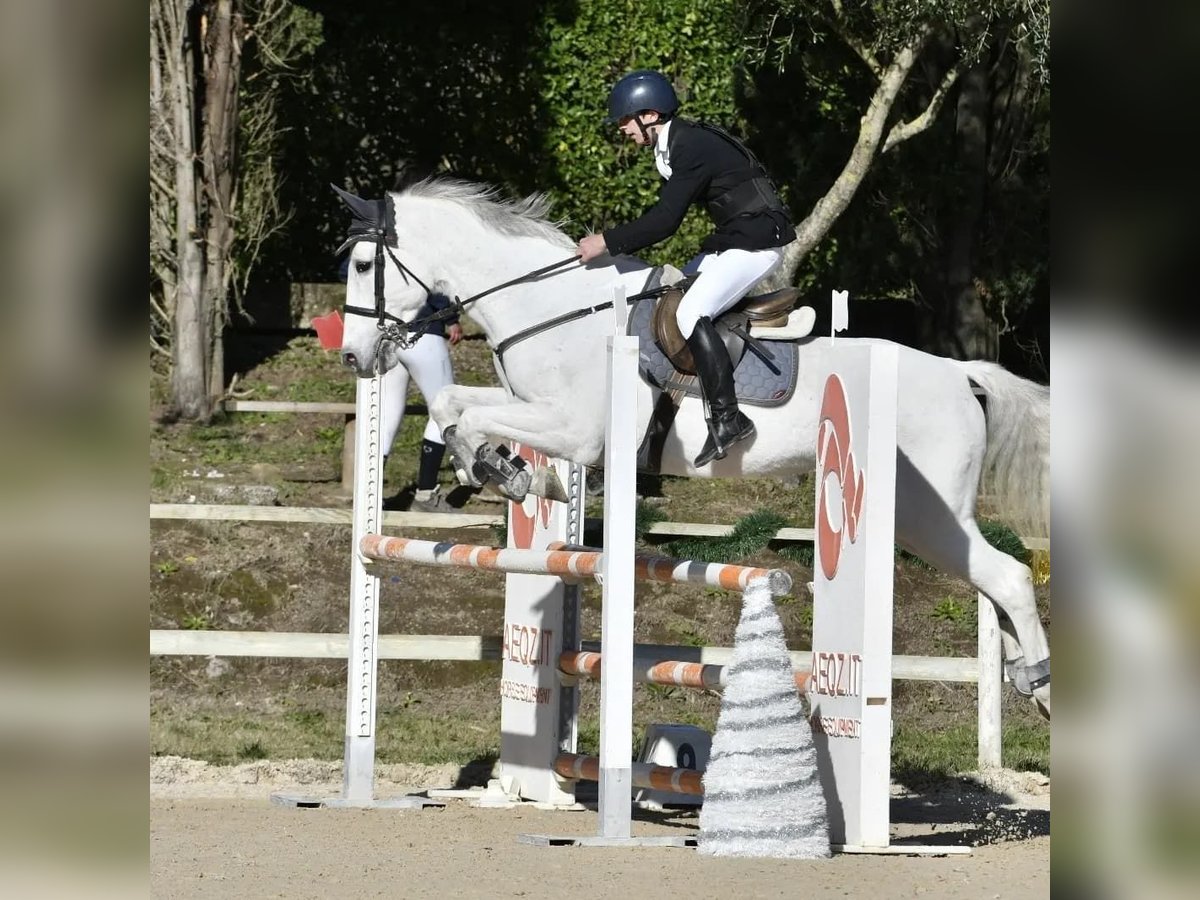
point(543, 426)
point(447, 409)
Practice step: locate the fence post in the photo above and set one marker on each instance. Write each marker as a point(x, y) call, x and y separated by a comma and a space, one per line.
point(348, 435)
point(620, 498)
point(990, 683)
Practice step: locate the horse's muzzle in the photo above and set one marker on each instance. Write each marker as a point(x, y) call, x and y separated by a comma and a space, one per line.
point(352, 361)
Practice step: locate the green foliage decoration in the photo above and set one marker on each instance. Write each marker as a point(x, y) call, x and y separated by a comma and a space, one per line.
point(750, 535)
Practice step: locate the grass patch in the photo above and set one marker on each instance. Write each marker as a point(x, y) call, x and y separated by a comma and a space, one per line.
point(403, 736)
point(920, 752)
point(414, 736)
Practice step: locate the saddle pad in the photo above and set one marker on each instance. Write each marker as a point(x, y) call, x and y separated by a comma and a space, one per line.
point(753, 382)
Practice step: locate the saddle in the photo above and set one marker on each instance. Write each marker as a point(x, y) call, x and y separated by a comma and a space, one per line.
point(764, 310)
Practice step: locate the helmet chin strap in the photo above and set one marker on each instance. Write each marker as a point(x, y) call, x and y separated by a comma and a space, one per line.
point(645, 129)
point(642, 128)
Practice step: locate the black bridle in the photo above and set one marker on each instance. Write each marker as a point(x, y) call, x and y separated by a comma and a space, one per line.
point(393, 328)
point(374, 221)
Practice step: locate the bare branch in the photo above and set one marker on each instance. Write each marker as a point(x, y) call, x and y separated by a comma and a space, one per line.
point(902, 131)
point(159, 181)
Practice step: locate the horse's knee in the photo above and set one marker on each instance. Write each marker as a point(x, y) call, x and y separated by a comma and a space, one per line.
point(441, 410)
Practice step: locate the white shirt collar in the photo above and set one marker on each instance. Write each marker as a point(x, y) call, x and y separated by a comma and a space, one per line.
point(662, 158)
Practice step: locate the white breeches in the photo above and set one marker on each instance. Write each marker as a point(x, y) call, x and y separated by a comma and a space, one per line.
point(725, 278)
point(428, 362)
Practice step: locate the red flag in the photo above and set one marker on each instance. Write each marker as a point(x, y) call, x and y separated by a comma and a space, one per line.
point(329, 330)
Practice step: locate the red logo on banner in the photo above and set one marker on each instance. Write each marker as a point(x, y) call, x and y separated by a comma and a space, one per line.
point(835, 460)
point(534, 512)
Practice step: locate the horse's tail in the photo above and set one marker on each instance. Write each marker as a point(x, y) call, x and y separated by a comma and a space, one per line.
point(1016, 467)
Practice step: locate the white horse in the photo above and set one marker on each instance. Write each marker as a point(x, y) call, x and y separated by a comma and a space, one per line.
point(459, 239)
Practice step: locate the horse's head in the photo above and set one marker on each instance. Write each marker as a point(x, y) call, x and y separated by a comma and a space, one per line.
point(383, 294)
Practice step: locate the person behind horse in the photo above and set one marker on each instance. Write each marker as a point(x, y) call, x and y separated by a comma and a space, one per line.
point(700, 164)
point(427, 362)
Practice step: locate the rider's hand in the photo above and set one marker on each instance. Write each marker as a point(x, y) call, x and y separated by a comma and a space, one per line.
point(592, 246)
point(454, 333)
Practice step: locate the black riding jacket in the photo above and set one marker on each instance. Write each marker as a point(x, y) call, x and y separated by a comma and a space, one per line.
point(705, 169)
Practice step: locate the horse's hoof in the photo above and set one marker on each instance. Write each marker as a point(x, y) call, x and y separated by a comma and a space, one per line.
point(546, 483)
point(515, 488)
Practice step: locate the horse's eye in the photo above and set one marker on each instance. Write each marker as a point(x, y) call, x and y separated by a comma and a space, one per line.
point(362, 267)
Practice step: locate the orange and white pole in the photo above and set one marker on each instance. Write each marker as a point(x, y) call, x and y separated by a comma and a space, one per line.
point(568, 563)
point(588, 664)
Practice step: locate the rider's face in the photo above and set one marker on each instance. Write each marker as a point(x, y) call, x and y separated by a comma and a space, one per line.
point(629, 127)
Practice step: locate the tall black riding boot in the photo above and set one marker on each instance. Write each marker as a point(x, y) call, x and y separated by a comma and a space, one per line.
point(727, 424)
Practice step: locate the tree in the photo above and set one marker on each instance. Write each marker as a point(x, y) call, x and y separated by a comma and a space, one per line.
point(912, 58)
point(213, 183)
point(194, 69)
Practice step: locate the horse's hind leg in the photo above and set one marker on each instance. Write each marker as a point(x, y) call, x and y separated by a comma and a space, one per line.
point(1009, 585)
point(953, 543)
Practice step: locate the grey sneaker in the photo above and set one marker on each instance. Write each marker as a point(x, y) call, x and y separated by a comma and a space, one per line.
point(430, 501)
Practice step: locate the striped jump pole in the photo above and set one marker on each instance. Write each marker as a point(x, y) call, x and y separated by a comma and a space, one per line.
point(645, 775)
point(579, 564)
point(588, 664)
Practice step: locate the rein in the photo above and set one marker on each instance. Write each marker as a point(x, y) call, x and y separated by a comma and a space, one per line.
point(532, 330)
point(406, 334)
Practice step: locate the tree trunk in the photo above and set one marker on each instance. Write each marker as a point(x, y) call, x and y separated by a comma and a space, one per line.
point(189, 375)
point(963, 329)
point(222, 67)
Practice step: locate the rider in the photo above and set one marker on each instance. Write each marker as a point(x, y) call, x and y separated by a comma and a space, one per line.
point(703, 165)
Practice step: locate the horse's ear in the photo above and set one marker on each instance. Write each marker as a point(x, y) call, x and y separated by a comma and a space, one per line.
point(362, 209)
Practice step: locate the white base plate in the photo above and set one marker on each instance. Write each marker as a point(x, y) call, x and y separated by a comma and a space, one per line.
point(549, 840)
point(906, 849)
point(300, 801)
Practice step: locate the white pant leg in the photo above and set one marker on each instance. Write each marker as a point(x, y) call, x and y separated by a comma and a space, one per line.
point(725, 278)
point(429, 363)
point(395, 396)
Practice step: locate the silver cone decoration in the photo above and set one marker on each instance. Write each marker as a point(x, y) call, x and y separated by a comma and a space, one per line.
point(762, 792)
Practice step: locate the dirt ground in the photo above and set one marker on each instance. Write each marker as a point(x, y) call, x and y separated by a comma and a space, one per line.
point(215, 833)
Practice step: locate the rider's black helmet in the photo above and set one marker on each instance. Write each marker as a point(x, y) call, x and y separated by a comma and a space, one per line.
point(643, 89)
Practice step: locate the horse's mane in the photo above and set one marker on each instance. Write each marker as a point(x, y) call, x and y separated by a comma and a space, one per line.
point(527, 217)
